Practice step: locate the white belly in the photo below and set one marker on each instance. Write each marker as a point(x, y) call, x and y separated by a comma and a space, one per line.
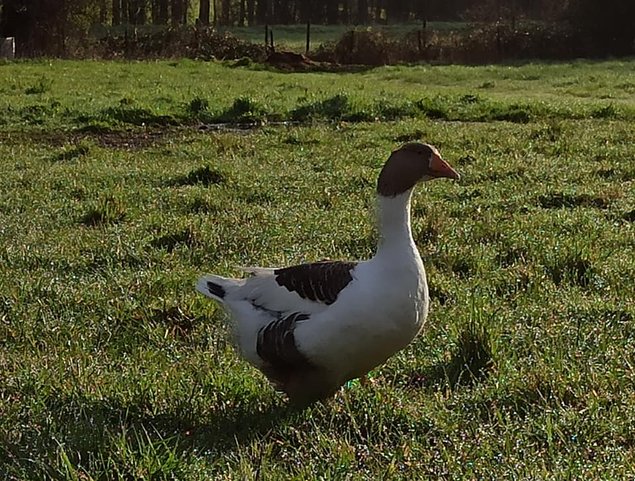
point(366, 326)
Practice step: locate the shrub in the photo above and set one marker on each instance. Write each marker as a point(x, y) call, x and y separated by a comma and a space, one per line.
point(200, 43)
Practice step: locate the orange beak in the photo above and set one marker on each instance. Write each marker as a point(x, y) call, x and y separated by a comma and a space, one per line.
point(440, 168)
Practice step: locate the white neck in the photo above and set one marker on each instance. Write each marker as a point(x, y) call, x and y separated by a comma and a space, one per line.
point(395, 234)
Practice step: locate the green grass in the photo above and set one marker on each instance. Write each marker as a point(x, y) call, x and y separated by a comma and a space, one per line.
point(112, 367)
point(186, 92)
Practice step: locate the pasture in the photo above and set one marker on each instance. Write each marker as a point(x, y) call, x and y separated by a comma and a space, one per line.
point(123, 182)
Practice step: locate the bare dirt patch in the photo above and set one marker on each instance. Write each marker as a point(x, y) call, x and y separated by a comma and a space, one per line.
point(131, 139)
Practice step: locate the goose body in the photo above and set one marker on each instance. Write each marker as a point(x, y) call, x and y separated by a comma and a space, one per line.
point(311, 327)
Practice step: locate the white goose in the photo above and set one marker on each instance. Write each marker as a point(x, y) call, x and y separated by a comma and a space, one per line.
point(312, 327)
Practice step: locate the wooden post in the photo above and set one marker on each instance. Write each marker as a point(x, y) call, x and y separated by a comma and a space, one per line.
point(271, 39)
point(308, 35)
point(266, 34)
point(7, 48)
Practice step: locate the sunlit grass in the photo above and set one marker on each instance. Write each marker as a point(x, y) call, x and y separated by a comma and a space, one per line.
point(112, 367)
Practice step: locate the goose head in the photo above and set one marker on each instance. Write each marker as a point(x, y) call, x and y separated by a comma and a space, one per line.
point(410, 164)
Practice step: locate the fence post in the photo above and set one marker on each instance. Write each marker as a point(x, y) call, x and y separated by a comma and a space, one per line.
point(7, 48)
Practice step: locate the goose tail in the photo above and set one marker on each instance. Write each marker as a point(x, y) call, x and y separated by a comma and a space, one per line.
point(214, 287)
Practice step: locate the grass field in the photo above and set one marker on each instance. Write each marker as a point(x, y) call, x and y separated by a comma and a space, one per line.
point(119, 189)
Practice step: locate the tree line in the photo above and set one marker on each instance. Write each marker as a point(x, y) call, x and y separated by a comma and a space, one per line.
point(48, 25)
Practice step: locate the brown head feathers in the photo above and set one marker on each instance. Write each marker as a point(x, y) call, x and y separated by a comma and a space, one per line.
point(412, 163)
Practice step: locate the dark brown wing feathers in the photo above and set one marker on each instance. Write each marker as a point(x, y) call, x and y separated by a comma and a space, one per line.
point(276, 346)
point(318, 281)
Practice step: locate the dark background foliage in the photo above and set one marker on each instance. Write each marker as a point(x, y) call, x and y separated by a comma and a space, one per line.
point(66, 27)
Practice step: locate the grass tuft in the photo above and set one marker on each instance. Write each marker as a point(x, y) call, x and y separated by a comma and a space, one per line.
point(573, 267)
point(609, 111)
point(244, 110)
point(198, 105)
point(472, 359)
point(177, 322)
point(559, 200)
point(416, 135)
point(108, 210)
point(43, 85)
point(337, 107)
point(203, 176)
point(186, 238)
point(72, 152)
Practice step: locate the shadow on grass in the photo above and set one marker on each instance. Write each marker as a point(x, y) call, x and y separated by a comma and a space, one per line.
point(82, 435)
point(471, 362)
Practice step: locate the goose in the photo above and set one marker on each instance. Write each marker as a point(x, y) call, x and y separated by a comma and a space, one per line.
point(311, 328)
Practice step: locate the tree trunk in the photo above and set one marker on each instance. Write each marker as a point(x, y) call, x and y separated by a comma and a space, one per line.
point(154, 12)
point(103, 12)
point(346, 12)
point(163, 8)
point(378, 5)
point(116, 12)
point(241, 13)
point(125, 12)
point(250, 11)
point(137, 13)
point(225, 13)
point(177, 12)
point(362, 12)
point(203, 12)
point(332, 11)
point(261, 11)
